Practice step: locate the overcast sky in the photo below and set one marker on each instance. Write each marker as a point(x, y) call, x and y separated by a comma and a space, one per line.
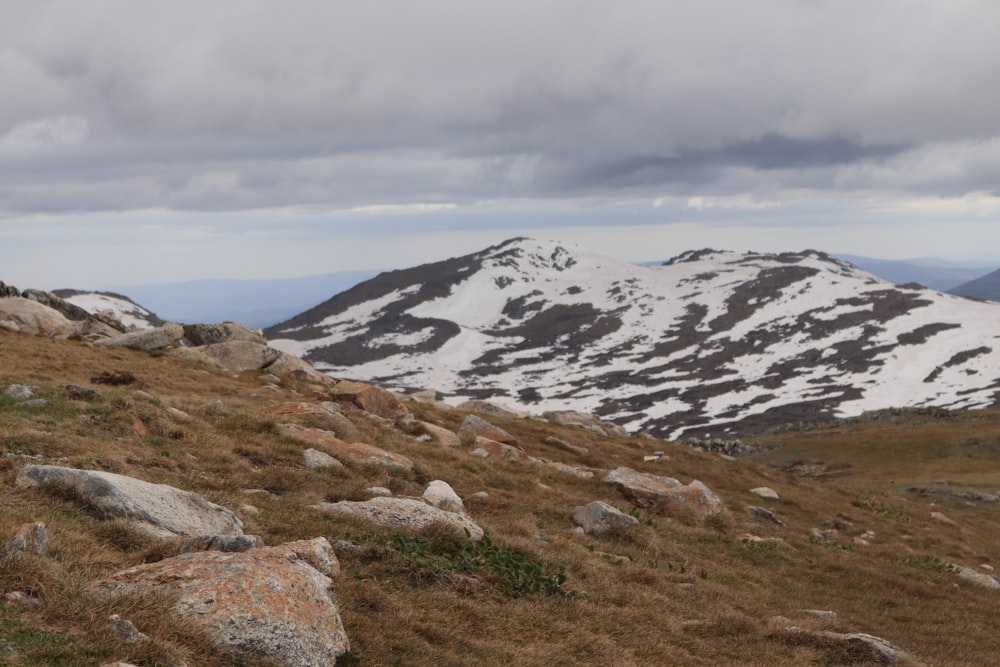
point(159, 141)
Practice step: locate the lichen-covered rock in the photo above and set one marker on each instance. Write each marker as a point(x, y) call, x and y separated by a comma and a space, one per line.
point(369, 398)
point(31, 539)
point(475, 427)
point(403, 512)
point(269, 603)
point(645, 490)
point(598, 517)
point(357, 453)
point(240, 355)
point(207, 334)
point(157, 509)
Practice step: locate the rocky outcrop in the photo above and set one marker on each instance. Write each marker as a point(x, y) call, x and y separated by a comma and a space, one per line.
point(209, 334)
point(403, 513)
point(492, 408)
point(598, 518)
point(355, 453)
point(71, 311)
point(645, 490)
point(475, 427)
point(240, 355)
point(27, 316)
point(157, 509)
point(268, 603)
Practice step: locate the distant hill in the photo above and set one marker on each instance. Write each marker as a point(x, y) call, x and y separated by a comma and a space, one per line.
point(935, 273)
point(710, 343)
point(255, 303)
point(985, 287)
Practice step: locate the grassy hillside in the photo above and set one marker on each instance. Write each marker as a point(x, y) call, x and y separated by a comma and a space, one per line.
point(671, 591)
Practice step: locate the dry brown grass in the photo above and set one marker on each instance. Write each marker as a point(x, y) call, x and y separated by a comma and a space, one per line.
point(672, 591)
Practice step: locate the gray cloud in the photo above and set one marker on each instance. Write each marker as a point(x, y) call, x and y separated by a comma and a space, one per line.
point(227, 106)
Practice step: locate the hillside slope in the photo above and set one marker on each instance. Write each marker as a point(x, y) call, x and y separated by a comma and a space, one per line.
point(984, 287)
point(710, 343)
point(864, 529)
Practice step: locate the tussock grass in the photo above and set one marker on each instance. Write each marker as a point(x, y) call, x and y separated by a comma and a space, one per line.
point(672, 590)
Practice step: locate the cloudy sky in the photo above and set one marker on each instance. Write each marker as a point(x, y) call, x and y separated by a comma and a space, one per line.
point(159, 141)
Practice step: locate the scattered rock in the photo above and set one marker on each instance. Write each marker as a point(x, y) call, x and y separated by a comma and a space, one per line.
point(765, 514)
point(492, 409)
point(645, 490)
point(317, 460)
point(975, 577)
point(36, 403)
point(941, 518)
point(290, 366)
point(765, 492)
point(79, 393)
point(403, 512)
point(576, 471)
point(378, 491)
point(598, 517)
point(356, 453)
point(441, 435)
point(157, 509)
point(573, 418)
point(179, 415)
point(19, 392)
point(480, 453)
point(271, 603)
point(819, 613)
point(31, 539)
point(440, 494)
point(859, 646)
point(214, 408)
point(475, 427)
point(369, 398)
point(125, 630)
point(562, 444)
point(498, 449)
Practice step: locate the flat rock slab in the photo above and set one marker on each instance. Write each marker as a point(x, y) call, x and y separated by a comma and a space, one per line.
point(645, 490)
point(403, 512)
point(357, 453)
point(240, 355)
point(269, 603)
point(160, 510)
point(147, 339)
point(475, 427)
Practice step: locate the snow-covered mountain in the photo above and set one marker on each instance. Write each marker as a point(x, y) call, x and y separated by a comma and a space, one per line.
point(710, 343)
point(127, 311)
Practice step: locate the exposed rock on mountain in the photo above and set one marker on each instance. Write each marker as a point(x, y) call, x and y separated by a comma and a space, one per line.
point(122, 308)
point(709, 343)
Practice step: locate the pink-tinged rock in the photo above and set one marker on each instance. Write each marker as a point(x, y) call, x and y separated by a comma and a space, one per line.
point(475, 427)
point(269, 603)
point(645, 490)
point(499, 449)
point(369, 398)
point(357, 453)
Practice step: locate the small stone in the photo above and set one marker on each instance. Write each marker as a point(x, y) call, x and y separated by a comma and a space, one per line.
point(440, 494)
point(79, 393)
point(125, 629)
point(598, 517)
point(19, 392)
point(378, 491)
point(478, 495)
point(818, 613)
point(30, 538)
point(764, 513)
point(36, 403)
point(480, 453)
point(317, 460)
point(214, 408)
point(938, 516)
point(270, 378)
point(765, 492)
point(344, 548)
point(140, 395)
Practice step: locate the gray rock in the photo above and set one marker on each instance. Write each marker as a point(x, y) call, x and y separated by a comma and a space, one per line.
point(240, 355)
point(440, 494)
point(214, 408)
point(228, 543)
point(598, 517)
point(378, 492)
point(765, 492)
point(562, 444)
point(576, 471)
point(317, 460)
point(19, 392)
point(147, 339)
point(209, 334)
point(975, 577)
point(159, 510)
point(765, 514)
point(862, 647)
point(30, 538)
point(645, 490)
point(79, 393)
point(34, 318)
point(269, 603)
point(37, 403)
point(125, 629)
point(475, 427)
point(403, 512)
